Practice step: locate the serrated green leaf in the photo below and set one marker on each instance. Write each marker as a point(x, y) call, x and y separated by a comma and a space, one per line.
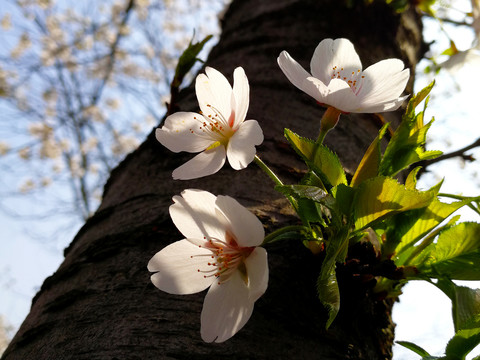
point(310, 202)
point(467, 305)
point(456, 254)
point(465, 340)
point(406, 148)
point(465, 302)
point(344, 196)
point(381, 196)
point(327, 286)
point(411, 181)
point(313, 180)
point(407, 144)
point(318, 158)
point(329, 295)
point(411, 255)
point(417, 99)
point(307, 192)
point(368, 167)
point(414, 347)
point(411, 226)
point(310, 211)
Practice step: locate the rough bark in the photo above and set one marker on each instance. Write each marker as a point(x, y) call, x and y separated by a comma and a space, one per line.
point(100, 303)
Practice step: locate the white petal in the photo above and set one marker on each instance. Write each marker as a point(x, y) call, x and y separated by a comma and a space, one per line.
point(340, 95)
point(214, 89)
point(194, 214)
point(177, 268)
point(257, 272)
point(241, 93)
point(226, 309)
point(338, 53)
point(296, 73)
point(244, 225)
point(241, 147)
point(314, 86)
point(206, 163)
point(181, 131)
point(383, 82)
point(383, 107)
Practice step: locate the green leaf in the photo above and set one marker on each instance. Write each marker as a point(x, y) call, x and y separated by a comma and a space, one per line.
point(313, 180)
point(368, 167)
point(329, 294)
point(310, 201)
point(187, 60)
point(407, 145)
point(455, 255)
point(344, 196)
point(467, 305)
point(411, 226)
point(417, 99)
point(381, 196)
point(411, 181)
point(307, 192)
point(414, 347)
point(318, 158)
point(310, 211)
point(327, 286)
point(465, 340)
point(426, 6)
point(465, 302)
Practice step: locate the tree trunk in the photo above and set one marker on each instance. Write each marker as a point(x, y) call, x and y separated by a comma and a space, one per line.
point(100, 303)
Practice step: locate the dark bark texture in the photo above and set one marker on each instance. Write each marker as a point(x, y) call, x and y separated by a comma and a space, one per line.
point(100, 303)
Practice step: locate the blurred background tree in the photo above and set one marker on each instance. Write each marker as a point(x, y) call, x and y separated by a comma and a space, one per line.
point(80, 86)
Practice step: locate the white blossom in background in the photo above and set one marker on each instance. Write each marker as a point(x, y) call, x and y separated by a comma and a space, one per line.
point(4, 148)
point(337, 79)
point(219, 132)
point(220, 252)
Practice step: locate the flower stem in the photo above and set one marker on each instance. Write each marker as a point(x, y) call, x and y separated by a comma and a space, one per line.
point(268, 171)
point(275, 179)
point(328, 122)
point(272, 237)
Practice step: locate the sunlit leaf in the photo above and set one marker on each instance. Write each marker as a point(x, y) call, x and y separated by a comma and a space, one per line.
point(407, 145)
point(467, 304)
point(455, 255)
point(411, 181)
point(318, 158)
point(426, 6)
point(411, 226)
point(465, 340)
point(414, 347)
point(381, 196)
point(368, 167)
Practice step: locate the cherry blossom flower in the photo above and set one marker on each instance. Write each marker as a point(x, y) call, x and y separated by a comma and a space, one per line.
point(337, 79)
point(219, 132)
point(220, 251)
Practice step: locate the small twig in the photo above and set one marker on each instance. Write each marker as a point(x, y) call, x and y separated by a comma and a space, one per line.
point(450, 21)
point(457, 153)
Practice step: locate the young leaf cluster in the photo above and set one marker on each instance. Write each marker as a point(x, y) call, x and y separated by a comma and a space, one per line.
point(407, 226)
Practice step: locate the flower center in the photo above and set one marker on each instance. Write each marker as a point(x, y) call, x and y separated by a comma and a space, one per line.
point(353, 78)
point(216, 126)
point(227, 257)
